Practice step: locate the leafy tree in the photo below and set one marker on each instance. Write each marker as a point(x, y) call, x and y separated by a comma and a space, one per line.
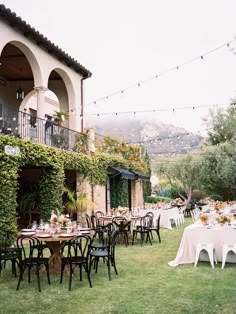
point(182, 174)
point(217, 174)
point(222, 125)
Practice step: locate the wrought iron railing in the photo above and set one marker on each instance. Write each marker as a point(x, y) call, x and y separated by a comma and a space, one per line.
point(41, 131)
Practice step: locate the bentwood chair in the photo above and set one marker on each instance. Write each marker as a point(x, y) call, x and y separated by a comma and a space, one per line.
point(107, 254)
point(77, 256)
point(8, 253)
point(156, 228)
point(31, 259)
point(123, 226)
point(142, 230)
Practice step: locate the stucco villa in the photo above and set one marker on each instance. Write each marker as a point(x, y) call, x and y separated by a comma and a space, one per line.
point(30, 66)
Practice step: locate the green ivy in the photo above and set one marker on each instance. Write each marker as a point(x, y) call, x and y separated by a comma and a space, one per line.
point(53, 161)
point(51, 190)
point(119, 192)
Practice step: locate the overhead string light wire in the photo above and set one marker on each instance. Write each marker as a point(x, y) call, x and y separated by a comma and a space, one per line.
point(193, 107)
point(139, 84)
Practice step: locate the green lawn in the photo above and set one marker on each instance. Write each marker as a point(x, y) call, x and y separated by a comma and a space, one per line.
point(145, 284)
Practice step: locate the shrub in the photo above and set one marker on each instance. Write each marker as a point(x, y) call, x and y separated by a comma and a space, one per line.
point(155, 199)
point(216, 197)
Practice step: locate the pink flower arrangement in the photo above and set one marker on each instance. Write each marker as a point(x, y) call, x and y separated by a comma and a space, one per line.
point(59, 219)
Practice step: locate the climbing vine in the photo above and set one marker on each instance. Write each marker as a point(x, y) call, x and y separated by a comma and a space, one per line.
point(53, 162)
point(51, 190)
point(119, 193)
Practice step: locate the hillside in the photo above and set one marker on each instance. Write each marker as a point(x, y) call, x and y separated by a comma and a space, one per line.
point(157, 137)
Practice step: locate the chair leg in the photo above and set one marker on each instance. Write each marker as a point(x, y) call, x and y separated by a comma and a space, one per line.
point(114, 265)
point(29, 277)
point(80, 272)
point(62, 271)
point(22, 269)
point(109, 268)
point(148, 236)
point(86, 266)
point(47, 269)
point(196, 257)
point(133, 237)
point(158, 234)
point(38, 279)
point(13, 261)
point(224, 259)
point(70, 279)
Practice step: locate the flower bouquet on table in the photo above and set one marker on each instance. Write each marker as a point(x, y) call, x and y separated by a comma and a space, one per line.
point(223, 219)
point(204, 219)
point(59, 219)
point(121, 210)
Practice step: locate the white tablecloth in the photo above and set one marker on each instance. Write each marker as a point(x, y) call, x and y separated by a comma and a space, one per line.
point(196, 233)
point(165, 215)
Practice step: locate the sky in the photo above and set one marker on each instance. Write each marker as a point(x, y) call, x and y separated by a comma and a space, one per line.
point(130, 41)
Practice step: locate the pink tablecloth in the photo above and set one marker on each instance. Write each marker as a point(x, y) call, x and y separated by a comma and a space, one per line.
point(195, 234)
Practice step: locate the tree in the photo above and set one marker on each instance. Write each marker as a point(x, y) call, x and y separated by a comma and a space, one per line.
point(182, 174)
point(222, 125)
point(217, 174)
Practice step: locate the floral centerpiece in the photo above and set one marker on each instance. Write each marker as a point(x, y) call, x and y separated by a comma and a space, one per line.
point(59, 219)
point(121, 210)
point(218, 206)
point(222, 219)
point(203, 218)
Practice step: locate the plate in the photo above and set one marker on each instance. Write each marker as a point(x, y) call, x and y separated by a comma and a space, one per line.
point(65, 235)
point(46, 235)
point(26, 230)
point(84, 232)
point(85, 229)
point(28, 233)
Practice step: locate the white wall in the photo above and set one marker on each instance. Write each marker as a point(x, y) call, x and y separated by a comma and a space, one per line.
point(42, 64)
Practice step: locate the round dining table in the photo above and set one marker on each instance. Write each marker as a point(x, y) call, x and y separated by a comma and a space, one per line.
point(55, 243)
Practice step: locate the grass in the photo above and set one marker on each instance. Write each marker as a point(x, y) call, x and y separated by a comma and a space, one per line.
point(145, 284)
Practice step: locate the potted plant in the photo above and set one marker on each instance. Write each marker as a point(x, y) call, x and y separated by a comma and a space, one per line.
point(78, 205)
point(60, 117)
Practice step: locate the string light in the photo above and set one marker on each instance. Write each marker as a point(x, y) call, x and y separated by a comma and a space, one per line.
point(153, 110)
point(159, 74)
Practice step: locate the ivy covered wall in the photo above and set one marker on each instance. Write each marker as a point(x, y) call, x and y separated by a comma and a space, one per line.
point(53, 161)
point(119, 192)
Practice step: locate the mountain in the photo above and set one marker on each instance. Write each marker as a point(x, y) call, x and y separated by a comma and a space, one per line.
point(157, 137)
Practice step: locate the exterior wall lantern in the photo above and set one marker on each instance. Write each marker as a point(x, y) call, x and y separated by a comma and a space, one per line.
point(20, 94)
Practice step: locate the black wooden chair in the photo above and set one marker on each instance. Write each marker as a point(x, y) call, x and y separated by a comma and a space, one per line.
point(107, 254)
point(156, 229)
point(8, 252)
point(142, 230)
point(32, 259)
point(77, 256)
point(88, 221)
point(123, 226)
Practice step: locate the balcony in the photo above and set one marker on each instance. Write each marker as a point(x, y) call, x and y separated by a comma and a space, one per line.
point(40, 131)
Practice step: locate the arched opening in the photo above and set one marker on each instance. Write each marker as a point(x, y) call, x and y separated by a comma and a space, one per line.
point(16, 74)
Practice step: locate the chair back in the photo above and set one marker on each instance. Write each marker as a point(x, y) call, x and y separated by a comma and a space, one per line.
point(150, 220)
point(35, 246)
point(93, 220)
point(88, 221)
point(78, 246)
point(112, 242)
point(98, 214)
point(158, 222)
